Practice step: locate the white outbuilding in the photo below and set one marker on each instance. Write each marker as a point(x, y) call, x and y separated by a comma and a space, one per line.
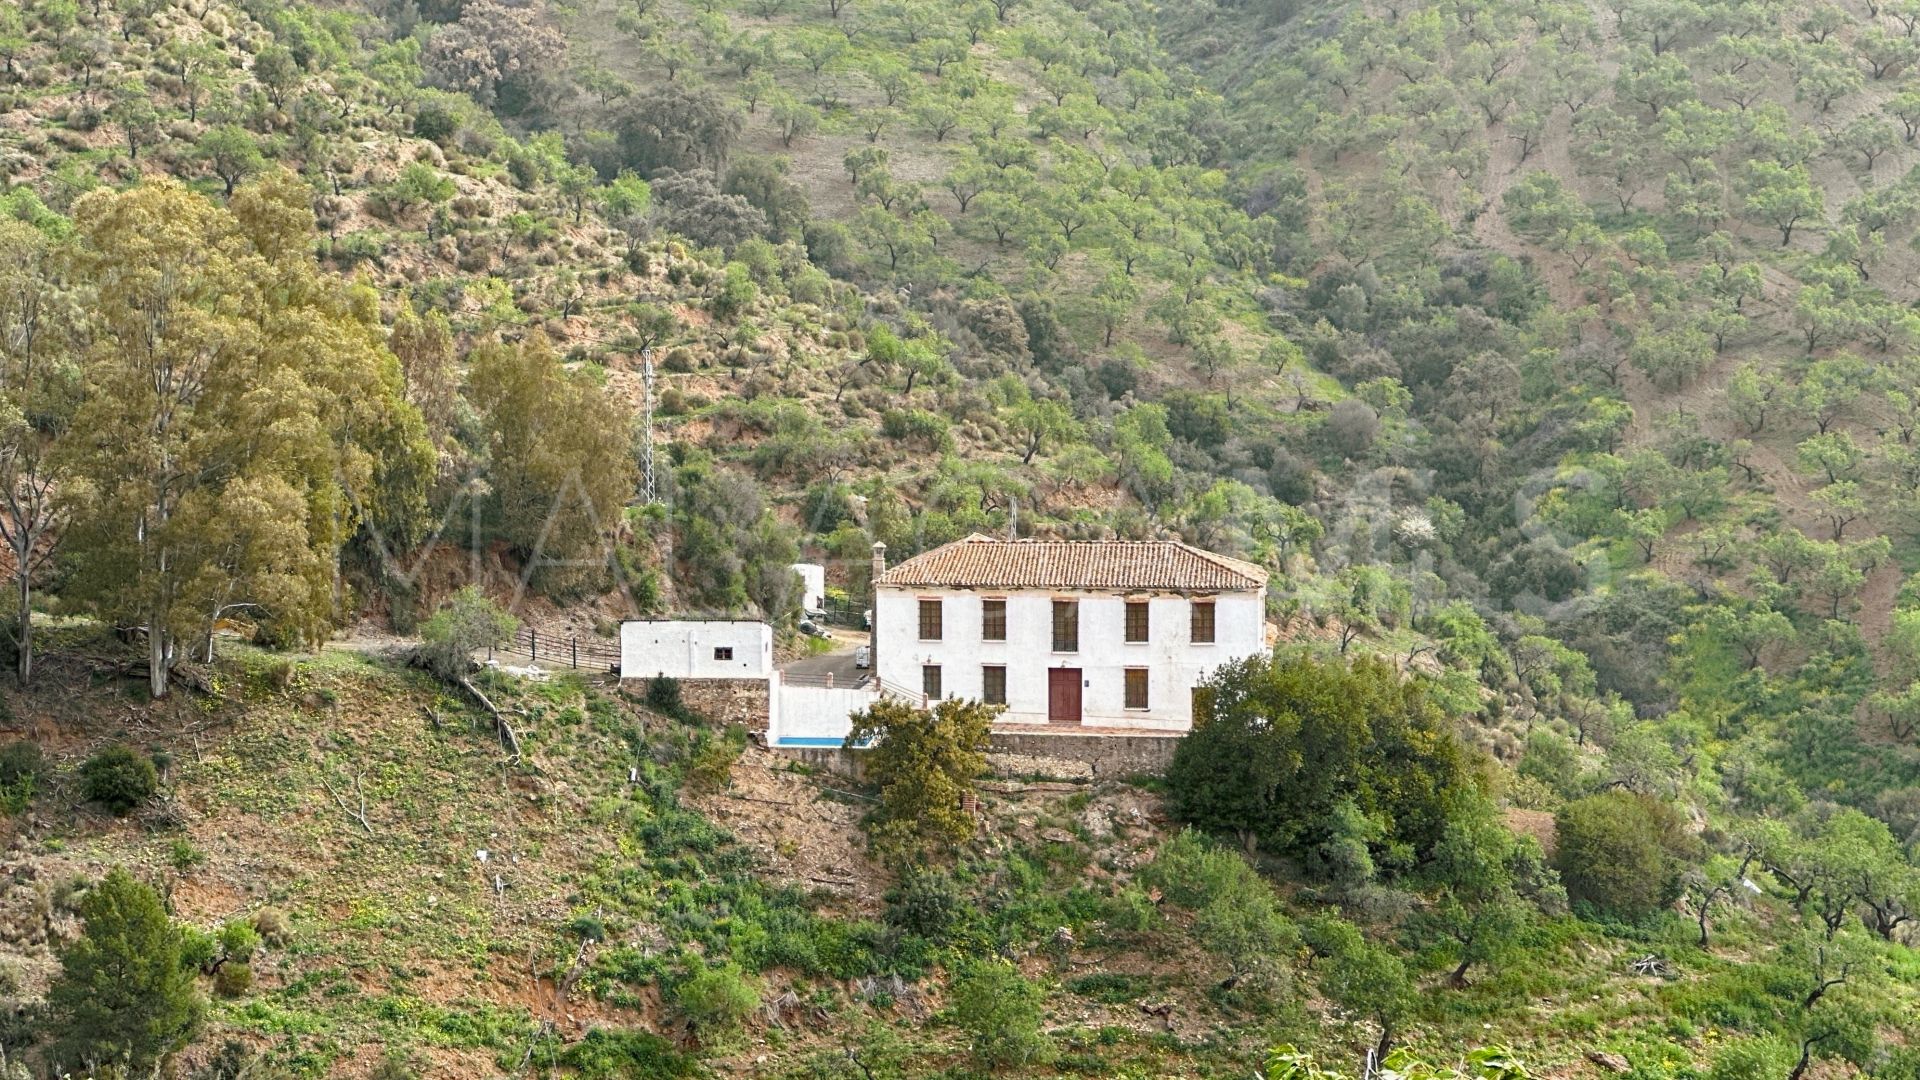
point(682, 649)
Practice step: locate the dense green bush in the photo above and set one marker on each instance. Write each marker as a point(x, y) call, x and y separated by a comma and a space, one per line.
point(21, 759)
point(927, 904)
point(21, 767)
point(716, 1001)
point(1285, 750)
point(1619, 853)
point(999, 1009)
point(119, 778)
point(631, 1054)
point(233, 979)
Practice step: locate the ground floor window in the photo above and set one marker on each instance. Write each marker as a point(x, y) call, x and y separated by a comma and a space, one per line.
point(930, 681)
point(993, 684)
point(1136, 688)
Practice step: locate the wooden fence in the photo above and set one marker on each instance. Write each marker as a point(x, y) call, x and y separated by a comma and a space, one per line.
point(568, 651)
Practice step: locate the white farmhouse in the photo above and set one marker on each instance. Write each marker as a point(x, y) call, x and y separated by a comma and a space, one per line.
point(696, 649)
point(1088, 634)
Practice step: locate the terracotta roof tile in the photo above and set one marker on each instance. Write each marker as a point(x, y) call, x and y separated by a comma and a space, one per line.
point(983, 562)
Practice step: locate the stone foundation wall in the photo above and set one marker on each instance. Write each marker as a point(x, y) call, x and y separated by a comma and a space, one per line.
point(1081, 758)
point(728, 701)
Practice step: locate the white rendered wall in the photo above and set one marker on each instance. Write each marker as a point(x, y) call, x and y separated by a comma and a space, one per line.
point(814, 712)
point(685, 650)
point(1174, 664)
point(813, 586)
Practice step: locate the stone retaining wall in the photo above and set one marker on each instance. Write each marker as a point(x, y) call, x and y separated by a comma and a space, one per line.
point(728, 701)
point(1023, 754)
point(1068, 756)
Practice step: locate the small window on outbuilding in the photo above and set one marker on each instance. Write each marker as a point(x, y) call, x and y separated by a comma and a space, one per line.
point(723, 652)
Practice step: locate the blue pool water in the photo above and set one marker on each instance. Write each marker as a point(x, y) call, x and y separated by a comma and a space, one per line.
point(799, 740)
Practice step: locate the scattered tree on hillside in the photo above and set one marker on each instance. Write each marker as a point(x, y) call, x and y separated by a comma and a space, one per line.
point(924, 762)
point(123, 997)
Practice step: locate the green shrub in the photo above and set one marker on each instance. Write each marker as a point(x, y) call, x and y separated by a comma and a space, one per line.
point(119, 778)
point(272, 926)
point(917, 426)
point(233, 979)
point(1746, 1058)
point(1131, 911)
point(435, 122)
point(182, 855)
point(717, 1000)
point(710, 764)
point(1111, 987)
point(927, 904)
point(239, 941)
point(999, 1009)
point(20, 760)
point(21, 766)
point(198, 949)
point(1618, 853)
point(627, 1055)
point(663, 697)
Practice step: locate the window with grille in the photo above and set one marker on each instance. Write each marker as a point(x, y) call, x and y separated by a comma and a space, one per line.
point(1136, 688)
point(723, 653)
point(1203, 621)
point(993, 620)
point(1136, 620)
point(930, 681)
point(993, 684)
point(929, 620)
point(1066, 626)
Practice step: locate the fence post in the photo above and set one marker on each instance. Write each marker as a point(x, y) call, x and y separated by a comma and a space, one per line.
point(533, 644)
point(573, 641)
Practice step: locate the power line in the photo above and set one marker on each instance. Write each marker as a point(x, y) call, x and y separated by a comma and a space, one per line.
point(651, 492)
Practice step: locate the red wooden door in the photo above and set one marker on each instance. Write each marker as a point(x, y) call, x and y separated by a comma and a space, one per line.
point(1063, 695)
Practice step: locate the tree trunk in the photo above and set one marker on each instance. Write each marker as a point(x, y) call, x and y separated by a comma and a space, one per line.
point(156, 657)
point(1457, 979)
point(24, 670)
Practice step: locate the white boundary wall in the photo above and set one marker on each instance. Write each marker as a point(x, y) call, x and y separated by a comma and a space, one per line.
point(814, 712)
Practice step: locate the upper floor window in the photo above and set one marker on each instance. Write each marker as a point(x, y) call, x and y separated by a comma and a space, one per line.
point(1136, 620)
point(1202, 621)
point(929, 620)
point(1066, 626)
point(993, 620)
